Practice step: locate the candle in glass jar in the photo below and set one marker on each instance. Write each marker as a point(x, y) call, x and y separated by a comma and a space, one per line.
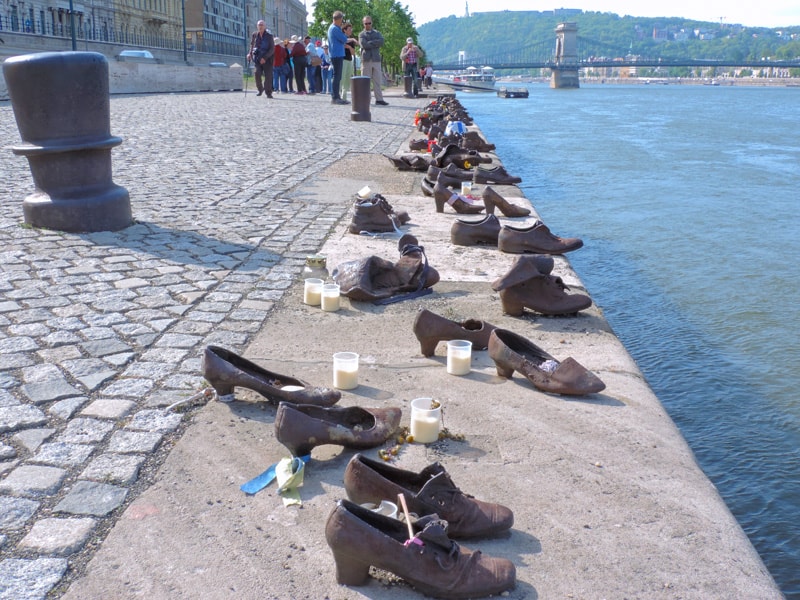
point(466, 188)
point(312, 292)
point(425, 420)
point(330, 297)
point(345, 370)
point(459, 357)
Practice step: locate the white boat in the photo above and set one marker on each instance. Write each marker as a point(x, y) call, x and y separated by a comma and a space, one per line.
point(471, 79)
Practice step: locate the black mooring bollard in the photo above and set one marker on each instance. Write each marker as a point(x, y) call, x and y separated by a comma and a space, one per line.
point(408, 86)
point(359, 90)
point(61, 104)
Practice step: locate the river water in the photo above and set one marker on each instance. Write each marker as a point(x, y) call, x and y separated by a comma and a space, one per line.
point(687, 200)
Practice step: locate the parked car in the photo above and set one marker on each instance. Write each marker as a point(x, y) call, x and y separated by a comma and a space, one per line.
point(136, 54)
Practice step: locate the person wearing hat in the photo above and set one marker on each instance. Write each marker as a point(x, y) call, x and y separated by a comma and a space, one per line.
point(410, 56)
point(299, 60)
point(336, 41)
point(262, 49)
point(310, 54)
point(371, 42)
point(327, 72)
point(280, 67)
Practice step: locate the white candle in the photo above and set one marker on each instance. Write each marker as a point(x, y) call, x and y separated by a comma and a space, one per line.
point(459, 357)
point(345, 370)
point(330, 297)
point(312, 292)
point(466, 188)
point(424, 429)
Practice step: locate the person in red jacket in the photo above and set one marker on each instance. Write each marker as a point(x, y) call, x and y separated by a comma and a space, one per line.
point(299, 58)
point(280, 68)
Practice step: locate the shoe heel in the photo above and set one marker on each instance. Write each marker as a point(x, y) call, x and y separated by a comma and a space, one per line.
point(427, 346)
point(503, 370)
point(350, 571)
point(222, 389)
point(489, 205)
point(510, 307)
point(439, 204)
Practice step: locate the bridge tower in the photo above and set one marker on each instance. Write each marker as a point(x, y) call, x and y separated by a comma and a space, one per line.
point(565, 71)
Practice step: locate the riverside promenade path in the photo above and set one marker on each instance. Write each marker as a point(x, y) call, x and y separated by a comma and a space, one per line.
point(105, 494)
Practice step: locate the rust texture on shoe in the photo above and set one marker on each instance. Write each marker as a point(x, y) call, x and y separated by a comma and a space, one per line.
point(303, 427)
point(492, 199)
point(511, 352)
point(536, 239)
point(225, 370)
point(431, 491)
point(524, 268)
point(430, 329)
point(432, 563)
point(473, 233)
point(497, 175)
point(443, 195)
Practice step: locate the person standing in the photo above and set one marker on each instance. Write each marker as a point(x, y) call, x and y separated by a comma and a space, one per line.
point(280, 66)
point(299, 56)
point(348, 68)
point(410, 55)
point(336, 41)
point(371, 42)
point(310, 54)
point(262, 50)
point(327, 73)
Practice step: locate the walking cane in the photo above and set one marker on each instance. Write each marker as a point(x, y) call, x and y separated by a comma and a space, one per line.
point(246, 75)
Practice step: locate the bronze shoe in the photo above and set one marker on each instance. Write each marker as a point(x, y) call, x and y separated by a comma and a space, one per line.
point(426, 185)
point(431, 491)
point(443, 195)
point(451, 171)
point(421, 144)
point(225, 370)
point(473, 233)
point(511, 352)
point(492, 199)
point(497, 175)
point(302, 427)
point(375, 214)
point(431, 562)
point(473, 141)
point(545, 294)
point(430, 329)
point(525, 267)
point(535, 239)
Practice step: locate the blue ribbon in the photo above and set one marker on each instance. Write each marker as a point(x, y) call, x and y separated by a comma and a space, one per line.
point(257, 484)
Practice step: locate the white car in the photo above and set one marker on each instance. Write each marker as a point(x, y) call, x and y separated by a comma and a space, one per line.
point(136, 54)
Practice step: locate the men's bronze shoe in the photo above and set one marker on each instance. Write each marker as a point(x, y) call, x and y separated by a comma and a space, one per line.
point(536, 239)
point(303, 427)
point(376, 215)
point(421, 144)
point(430, 561)
point(546, 294)
point(451, 171)
point(511, 352)
point(474, 233)
point(497, 175)
point(431, 491)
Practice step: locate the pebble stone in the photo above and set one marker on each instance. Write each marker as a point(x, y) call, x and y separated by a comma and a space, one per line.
point(100, 332)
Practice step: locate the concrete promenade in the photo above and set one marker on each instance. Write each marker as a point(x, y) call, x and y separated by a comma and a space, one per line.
point(105, 494)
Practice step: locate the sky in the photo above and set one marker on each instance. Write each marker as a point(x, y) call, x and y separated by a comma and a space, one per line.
point(772, 13)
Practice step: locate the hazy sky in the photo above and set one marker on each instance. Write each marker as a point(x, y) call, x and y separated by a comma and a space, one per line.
point(773, 13)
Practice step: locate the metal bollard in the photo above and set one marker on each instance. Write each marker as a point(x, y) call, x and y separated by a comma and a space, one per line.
point(408, 86)
point(359, 90)
point(61, 104)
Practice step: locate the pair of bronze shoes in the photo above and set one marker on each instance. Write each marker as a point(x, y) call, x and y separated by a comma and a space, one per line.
point(530, 284)
point(430, 561)
point(511, 352)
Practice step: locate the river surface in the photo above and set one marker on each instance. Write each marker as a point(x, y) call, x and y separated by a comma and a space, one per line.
point(687, 200)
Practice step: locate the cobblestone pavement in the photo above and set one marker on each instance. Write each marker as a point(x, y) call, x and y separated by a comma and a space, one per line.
point(100, 332)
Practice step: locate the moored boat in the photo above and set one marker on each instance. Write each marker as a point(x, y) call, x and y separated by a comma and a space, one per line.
point(512, 92)
point(471, 79)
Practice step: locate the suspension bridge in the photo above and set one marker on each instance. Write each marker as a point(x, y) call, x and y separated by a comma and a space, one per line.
point(570, 53)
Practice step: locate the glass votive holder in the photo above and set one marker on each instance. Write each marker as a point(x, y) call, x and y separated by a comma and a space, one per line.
point(459, 357)
point(345, 370)
point(330, 297)
point(426, 420)
point(312, 291)
point(466, 188)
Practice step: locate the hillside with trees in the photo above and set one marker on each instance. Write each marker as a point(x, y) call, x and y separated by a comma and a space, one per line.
point(605, 34)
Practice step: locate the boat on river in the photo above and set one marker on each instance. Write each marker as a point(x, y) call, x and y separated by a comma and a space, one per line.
point(508, 91)
point(472, 79)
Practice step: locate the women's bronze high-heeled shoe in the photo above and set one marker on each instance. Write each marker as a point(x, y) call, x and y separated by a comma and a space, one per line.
point(431, 329)
point(443, 195)
point(492, 199)
point(511, 352)
point(225, 370)
point(302, 427)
